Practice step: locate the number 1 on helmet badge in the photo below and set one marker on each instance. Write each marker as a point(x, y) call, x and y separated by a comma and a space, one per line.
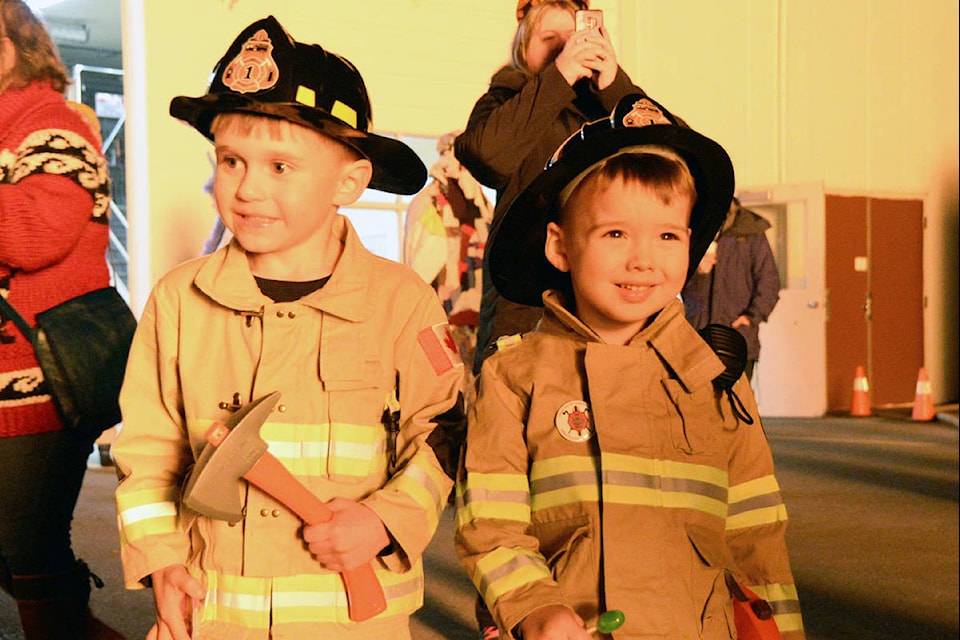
point(254, 68)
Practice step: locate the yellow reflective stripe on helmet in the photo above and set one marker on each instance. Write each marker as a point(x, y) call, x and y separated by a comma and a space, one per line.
point(502, 496)
point(504, 570)
point(148, 512)
point(755, 502)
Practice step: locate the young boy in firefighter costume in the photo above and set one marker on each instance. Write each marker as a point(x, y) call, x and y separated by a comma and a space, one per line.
point(607, 466)
point(293, 304)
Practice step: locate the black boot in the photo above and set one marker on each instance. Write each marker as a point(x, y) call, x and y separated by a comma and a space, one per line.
point(57, 606)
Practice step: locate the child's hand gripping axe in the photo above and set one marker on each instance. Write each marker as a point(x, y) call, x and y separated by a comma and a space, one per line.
point(235, 452)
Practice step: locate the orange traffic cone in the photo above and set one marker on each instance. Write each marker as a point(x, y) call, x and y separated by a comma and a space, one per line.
point(861, 394)
point(923, 401)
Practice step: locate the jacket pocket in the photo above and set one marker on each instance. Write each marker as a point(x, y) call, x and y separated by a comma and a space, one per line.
point(708, 584)
point(570, 549)
point(695, 421)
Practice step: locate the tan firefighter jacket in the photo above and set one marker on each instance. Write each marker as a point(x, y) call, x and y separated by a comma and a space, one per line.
point(208, 340)
point(608, 477)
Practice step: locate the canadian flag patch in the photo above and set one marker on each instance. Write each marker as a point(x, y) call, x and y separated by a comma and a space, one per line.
point(439, 347)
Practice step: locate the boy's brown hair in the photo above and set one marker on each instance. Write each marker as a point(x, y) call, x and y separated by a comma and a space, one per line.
point(659, 169)
point(246, 123)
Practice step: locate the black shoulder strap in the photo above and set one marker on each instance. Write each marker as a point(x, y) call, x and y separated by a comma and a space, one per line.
point(28, 331)
point(731, 348)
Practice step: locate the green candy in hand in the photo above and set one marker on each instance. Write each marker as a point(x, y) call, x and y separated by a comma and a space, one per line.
point(610, 621)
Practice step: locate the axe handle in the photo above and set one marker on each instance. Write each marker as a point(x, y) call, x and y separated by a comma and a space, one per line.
point(365, 597)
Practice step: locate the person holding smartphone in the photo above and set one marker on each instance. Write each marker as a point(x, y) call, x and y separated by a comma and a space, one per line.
point(557, 79)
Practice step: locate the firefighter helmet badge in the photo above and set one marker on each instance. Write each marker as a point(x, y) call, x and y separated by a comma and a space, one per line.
point(254, 68)
point(574, 421)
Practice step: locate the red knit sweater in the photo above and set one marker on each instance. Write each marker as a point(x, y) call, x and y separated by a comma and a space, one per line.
point(54, 205)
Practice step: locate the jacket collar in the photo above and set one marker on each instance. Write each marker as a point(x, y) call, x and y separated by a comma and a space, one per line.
point(676, 342)
point(227, 279)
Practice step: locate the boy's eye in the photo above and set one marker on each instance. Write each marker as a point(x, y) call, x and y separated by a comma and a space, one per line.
point(669, 235)
point(228, 161)
point(279, 167)
point(614, 233)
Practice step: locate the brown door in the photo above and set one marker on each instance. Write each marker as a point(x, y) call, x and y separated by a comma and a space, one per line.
point(875, 295)
point(896, 284)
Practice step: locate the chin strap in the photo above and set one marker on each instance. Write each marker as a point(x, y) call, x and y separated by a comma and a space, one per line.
point(731, 348)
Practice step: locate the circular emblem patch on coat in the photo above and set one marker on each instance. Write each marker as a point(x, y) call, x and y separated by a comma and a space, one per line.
point(574, 422)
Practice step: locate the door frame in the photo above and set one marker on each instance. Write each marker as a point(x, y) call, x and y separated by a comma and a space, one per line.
point(790, 376)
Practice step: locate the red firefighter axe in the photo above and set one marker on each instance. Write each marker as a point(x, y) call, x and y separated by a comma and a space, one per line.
point(235, 452)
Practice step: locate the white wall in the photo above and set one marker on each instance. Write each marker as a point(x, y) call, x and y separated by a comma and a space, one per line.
point(861, 95)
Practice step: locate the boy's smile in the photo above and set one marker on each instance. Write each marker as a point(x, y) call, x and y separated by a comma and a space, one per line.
point(277, 187)
point(626, 252)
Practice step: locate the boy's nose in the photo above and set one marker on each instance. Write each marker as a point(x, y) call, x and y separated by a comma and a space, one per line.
point(640, 256)
point(250, 187)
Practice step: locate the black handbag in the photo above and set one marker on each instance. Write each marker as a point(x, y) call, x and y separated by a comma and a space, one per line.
point(82, 346)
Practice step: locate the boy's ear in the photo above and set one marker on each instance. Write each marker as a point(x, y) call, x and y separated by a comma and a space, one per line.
point(354, 178)
point(555, 247)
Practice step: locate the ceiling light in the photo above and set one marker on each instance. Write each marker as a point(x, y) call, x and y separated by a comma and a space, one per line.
point(68, 33)
point(40, 5)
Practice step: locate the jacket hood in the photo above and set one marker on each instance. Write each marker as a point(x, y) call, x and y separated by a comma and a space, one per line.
point(747, 223)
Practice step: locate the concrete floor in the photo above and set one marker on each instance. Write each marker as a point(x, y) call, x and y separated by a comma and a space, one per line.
point(821, 539)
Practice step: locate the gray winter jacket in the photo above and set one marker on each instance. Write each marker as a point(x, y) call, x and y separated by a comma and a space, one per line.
point(745, 281)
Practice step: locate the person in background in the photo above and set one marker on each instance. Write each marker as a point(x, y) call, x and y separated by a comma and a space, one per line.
point(557, 80)
point(736, 283)
point(603, 470)
point(54, 214)
point(357, 345)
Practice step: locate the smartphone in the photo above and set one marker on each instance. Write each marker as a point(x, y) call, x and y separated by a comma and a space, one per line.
point(589, 19)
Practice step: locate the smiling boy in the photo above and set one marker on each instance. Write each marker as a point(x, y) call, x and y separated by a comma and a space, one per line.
point(604, 468)
point(293, 304)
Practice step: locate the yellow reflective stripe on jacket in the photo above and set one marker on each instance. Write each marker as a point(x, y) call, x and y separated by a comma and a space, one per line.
point(504, 570)
point(503, 496)
point(262, 603)
point(335, 449)
point(629, 480)
point(563, 480)
point(244, 602)
point(756, 502)
point(148, 512)
point(785, 602)
point(426, 483)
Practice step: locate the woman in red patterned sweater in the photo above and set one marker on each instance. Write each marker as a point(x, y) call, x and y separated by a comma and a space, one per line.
point(54, 204)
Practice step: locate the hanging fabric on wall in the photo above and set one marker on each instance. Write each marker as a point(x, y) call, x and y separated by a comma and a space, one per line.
point(446, 231)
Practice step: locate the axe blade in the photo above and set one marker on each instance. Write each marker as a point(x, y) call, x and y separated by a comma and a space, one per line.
point(213, 485)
